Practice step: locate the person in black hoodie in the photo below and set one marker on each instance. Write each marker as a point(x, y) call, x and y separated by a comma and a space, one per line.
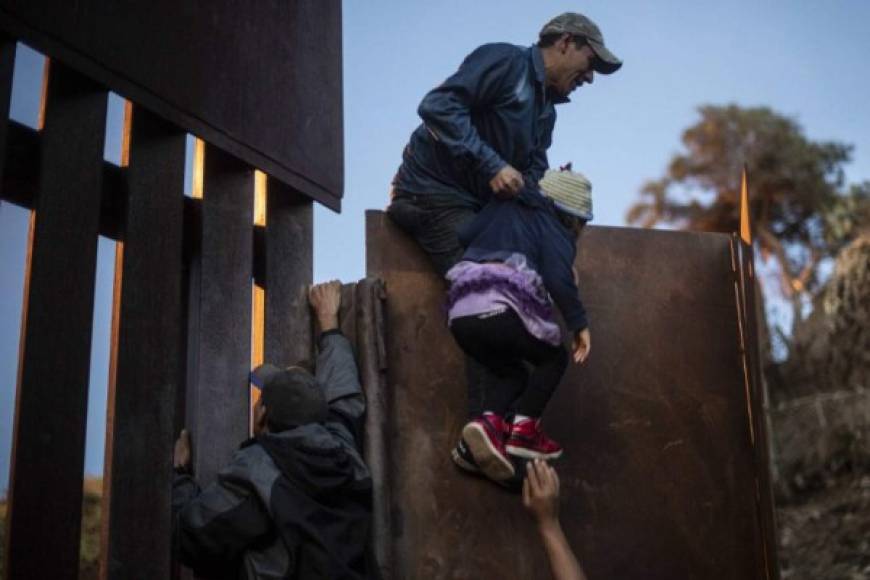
point(295, 500)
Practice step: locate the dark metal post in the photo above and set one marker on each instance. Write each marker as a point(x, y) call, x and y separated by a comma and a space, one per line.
point(7, 66)
point(146, 351)
point(54, 364)
point(756, 402)
point(219, 345)
point(289, 268)
point(749, 313)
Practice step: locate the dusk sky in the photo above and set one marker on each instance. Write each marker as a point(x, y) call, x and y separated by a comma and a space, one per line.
point(805, 59)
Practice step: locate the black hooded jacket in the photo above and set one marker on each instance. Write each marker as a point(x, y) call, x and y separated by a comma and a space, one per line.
point(293, 504)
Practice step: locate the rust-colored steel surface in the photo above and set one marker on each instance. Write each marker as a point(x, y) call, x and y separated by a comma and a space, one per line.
point(747, 288)
point(260, 80)
point(660, 478)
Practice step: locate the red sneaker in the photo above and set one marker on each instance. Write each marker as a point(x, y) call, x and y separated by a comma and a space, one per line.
point(528, 440)
point(485, 438)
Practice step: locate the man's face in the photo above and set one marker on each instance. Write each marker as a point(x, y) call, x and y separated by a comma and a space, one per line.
point(572, 67)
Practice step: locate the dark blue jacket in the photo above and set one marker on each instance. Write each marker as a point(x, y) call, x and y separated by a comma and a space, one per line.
point(528, 225)
point(291, 504)
point(493, 111)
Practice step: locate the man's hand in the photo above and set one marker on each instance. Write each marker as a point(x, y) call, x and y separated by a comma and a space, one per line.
point(541, 492)
point(181, 456)
point(325, 299)
point(507, 183)
point(581, 346)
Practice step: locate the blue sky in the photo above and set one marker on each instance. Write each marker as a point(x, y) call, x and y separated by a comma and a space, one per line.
point(805, 59)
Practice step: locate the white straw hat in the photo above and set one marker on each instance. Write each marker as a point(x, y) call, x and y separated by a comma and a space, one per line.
point(570, 191)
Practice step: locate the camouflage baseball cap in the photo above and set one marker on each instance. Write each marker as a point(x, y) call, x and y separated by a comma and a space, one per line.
point(578, 25)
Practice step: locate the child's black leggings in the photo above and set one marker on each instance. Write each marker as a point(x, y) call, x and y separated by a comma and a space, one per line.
point(504, 347)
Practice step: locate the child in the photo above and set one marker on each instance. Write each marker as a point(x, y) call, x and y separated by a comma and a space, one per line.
point(518, 261)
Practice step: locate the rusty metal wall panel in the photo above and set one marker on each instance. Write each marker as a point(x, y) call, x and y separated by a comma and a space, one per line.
point(361, 320)
point(372, 362)
point(262, 82)
point(758, 403)
point(659, 474)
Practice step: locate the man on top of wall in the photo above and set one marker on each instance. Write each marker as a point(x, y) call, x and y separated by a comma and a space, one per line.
point(485, 132)
point(487, 128)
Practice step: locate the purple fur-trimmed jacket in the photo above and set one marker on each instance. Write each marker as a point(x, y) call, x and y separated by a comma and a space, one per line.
point(529, 226)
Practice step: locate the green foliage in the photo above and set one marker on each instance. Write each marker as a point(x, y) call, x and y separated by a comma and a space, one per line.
point(800, 214)
point(847, 216)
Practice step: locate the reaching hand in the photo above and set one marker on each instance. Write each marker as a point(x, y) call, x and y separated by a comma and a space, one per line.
point(581, 346)
point(541, 491)
point(507, 183)
point(325, 299)
point(181, 455)
point(541, 497)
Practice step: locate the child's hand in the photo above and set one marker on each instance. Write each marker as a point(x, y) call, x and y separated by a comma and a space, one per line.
point(581, 346)
point(541, 492)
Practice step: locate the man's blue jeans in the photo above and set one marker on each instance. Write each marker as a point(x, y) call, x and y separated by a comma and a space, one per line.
point(434, 221)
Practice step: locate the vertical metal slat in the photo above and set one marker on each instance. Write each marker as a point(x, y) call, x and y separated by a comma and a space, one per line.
point(146, 347)
point(7, 66)
point(219, 343)
point(51, 404)
point(289, 270)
